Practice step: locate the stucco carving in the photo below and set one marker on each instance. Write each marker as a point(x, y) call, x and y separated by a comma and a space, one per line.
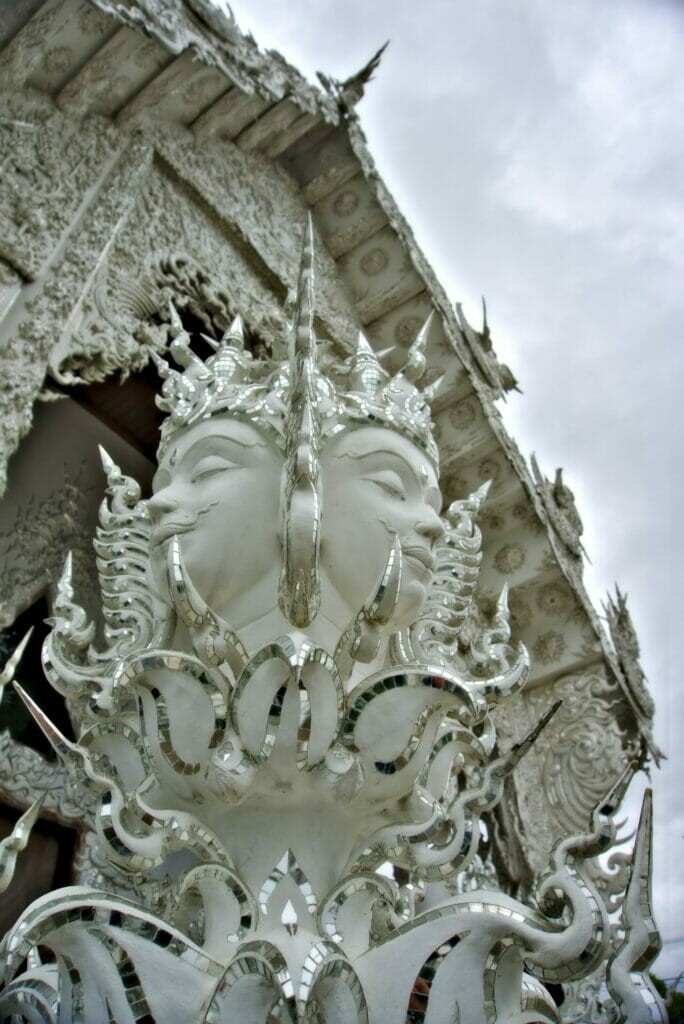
point(44, 309)
point(496, 375)
point(219, 44)
point(560, 505)
point(25, 775)
point(585, 745)
point(166, 250)
point(48, 165)
point(33, 549)
point(626, 645)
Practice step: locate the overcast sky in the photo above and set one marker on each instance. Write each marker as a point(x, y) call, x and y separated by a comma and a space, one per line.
point(537, 149)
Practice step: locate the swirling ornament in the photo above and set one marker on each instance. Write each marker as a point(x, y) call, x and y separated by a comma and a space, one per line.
point(261, 960)
point(434, 637)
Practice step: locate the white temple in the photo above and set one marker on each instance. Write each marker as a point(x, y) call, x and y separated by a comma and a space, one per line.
point(325, 727)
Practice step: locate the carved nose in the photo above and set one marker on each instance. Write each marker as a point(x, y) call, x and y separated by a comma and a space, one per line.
point(431, 527)
point(161, 503)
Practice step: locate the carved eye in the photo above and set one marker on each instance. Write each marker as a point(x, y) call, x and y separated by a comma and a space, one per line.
point(209, 466)
point(390, 482)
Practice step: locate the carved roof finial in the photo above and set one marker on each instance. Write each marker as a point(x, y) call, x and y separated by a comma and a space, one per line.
point(350, 91)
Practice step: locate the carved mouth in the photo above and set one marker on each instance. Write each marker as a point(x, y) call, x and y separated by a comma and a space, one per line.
point(165, 531)
point(423, 556)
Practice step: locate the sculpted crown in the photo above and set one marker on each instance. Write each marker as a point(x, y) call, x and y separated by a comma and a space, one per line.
point(272, 393)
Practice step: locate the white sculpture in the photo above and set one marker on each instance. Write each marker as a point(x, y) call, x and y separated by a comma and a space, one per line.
point(286, 712)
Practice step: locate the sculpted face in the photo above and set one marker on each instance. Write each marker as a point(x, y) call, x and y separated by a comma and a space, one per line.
point(377, 484)
point(218, 488)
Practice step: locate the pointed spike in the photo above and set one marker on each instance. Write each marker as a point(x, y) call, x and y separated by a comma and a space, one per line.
point(638, 896)
point(60, 744)
point(65, 582)
point(107, 461)
point(111, 470)
point(431, 391)
point(7, 674)
point(303, 339)
point(502, 603)
point(299, 584)
point(235, 335)
point(211, 342)
point(176, 322)
point(615, 794)
point(384, 352)
point(416, 362)
point(644, 828)
point(308, 235)
point(518, 750)
point(421, 338)
point(485, 325)
point(163, 368)
point(30, 817)
point(365, 372)
point(364, 346)
point(481, 493)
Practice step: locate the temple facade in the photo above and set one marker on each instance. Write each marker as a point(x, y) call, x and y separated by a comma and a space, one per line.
point(158, 171)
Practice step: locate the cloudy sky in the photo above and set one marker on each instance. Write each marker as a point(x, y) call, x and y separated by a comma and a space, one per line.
point(537, 149)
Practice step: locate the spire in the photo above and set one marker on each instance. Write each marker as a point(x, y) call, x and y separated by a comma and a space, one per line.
point(235, 335)
point(365, 372)
point(299, 586)
point(416, 362)
point(430, 392)
point(7, 674)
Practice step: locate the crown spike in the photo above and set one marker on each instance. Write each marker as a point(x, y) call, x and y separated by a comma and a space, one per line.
point(365, 372)
point(235, 335)
point(416, 362)
point(298, 402)
point(481, 493)
point(211, 342)
point(299, 587)
point(430, 392)
point(302, 338)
